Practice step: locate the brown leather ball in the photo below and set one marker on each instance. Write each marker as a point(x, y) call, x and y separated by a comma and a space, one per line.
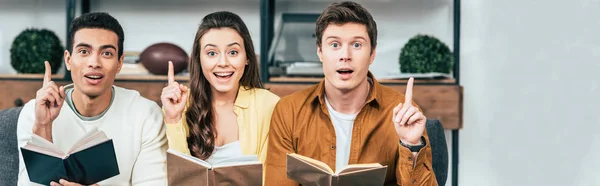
point(157, 56)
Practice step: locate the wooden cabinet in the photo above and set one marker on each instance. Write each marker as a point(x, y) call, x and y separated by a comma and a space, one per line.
point(438, 101)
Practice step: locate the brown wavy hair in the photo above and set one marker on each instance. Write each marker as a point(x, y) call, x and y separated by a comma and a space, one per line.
point(346, 12)
point(200, 115)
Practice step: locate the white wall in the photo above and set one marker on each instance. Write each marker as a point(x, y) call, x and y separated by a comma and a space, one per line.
point(149, 22)
point(176, 21)
point(530, 71)
point(397, 21)
point(17, 15)
point(152, 21)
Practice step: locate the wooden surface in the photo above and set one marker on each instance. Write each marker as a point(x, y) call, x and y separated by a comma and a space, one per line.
point(26, 90)
point(186, 78)
point(443, 102)
point(29, 76)
point(119, 77)
point(399, 81)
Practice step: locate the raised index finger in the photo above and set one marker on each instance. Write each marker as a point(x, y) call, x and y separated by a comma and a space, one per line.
point(409, 91)
point(171, 75)
point(48, 73)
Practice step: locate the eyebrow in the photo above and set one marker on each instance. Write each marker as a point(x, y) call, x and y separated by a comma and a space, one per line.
point(207, 45)
point(83, 45)
point(101, 47)
point(108, 46)
point(359, 37)
point(332, 37)
point(230, 44)
point(234, 43)
point(335, 37)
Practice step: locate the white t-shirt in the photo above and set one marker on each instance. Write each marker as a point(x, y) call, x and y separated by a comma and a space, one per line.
point(343, 124)
point(227, 151)
point(133, 122)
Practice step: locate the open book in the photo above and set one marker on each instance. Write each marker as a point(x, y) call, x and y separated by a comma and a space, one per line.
point(307, 171)
point(183, 169)
point(90, 160)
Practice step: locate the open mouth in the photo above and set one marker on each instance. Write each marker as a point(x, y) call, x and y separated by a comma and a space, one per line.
point(223, 74)
point(345, 71)
point(94, 76)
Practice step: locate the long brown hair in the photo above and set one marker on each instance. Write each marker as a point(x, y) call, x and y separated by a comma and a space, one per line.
point(200, 114)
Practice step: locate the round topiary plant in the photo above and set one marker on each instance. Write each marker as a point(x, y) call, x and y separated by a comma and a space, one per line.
point(32, 47)
point(423, 54)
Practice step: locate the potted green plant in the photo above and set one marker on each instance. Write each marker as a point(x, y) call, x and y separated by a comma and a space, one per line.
point(425, 54)
point(32, 47)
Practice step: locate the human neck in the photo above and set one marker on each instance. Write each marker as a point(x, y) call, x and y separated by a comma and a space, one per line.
point(224, 98)
point(90, 106)
point(348, 101)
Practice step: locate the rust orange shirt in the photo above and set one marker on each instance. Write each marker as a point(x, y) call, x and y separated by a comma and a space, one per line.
point(300, 124)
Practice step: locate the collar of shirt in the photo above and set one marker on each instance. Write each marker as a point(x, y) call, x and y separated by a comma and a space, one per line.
point(374, 92)
point(242, 99)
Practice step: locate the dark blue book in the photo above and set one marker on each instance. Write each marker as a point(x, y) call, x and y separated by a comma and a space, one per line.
point(90, 161)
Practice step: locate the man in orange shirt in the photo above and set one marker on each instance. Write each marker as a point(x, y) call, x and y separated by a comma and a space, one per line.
point(349, 118)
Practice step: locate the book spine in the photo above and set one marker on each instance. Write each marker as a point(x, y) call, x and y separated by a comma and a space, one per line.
point(210, 178)
point(334, 180)
point(73, 169)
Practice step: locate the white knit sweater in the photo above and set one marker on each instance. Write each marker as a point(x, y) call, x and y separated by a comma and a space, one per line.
point(133, 122)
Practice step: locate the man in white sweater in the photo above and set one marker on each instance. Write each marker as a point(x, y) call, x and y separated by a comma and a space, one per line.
point(63, 115)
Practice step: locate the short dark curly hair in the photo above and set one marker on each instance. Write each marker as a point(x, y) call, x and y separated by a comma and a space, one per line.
point(101, 20)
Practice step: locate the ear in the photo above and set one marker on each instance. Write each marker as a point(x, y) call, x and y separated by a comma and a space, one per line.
point(320, 53)
point(373, 54)
point(67, 57)
point(120, 63)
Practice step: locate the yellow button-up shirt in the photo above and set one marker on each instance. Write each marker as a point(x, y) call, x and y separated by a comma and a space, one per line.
point(253, 108)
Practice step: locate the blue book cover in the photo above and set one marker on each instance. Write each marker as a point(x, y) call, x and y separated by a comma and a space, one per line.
point(90, 161)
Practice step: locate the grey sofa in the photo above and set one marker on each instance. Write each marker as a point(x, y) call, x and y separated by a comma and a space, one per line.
point(9, 154)
point(439, 150)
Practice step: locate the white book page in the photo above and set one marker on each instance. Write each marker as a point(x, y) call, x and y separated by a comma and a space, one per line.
point(237, 161)
point(85, 137)
point(190, 158)
point(41, 145)
point(358, 168)
point(92, 138)
point(316, 163)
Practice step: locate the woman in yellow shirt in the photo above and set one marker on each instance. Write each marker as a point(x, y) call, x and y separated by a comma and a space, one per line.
point(226, 112)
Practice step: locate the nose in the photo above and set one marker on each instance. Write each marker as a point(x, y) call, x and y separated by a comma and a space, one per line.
point(223, 61)
point(345, 55)
point(94, 62)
